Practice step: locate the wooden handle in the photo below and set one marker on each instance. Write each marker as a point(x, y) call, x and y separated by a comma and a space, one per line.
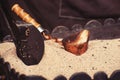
point(25, 16)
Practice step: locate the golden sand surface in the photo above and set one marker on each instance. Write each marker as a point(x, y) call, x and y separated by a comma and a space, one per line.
point(102, 55)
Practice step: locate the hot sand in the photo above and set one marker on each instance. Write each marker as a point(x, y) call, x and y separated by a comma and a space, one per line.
point(103, 54)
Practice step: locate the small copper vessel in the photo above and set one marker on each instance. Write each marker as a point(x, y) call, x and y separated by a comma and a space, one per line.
point(77, 43)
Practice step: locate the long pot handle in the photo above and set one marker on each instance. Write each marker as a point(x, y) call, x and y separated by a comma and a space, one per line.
point(26, 17)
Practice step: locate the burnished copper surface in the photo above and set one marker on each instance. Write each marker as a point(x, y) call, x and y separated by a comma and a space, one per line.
point(77, 43)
